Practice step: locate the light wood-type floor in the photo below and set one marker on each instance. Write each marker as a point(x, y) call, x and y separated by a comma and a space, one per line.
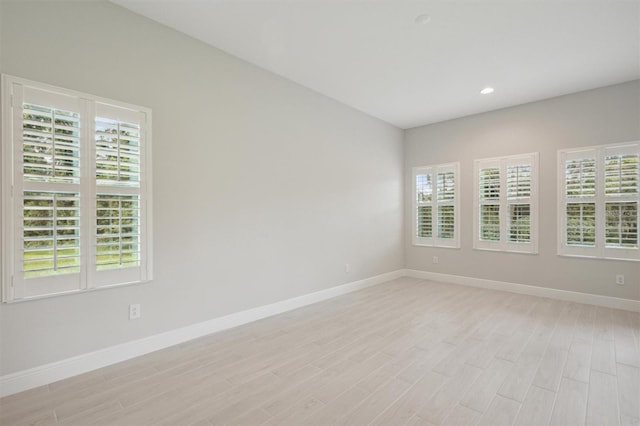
point(405, 352)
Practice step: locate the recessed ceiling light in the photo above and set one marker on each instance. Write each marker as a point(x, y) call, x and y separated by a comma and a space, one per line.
point(487, 90)
point(423, 19)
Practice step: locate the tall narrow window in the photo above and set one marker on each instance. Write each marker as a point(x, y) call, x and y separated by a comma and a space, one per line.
point(599, 198)
point(506, 203)
point(75, 191)
point(435, 214)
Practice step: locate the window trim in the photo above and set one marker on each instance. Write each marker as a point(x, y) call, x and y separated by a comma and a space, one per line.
point(434, 241)
point(599, 250)
point(12, 285)
point(502, 163)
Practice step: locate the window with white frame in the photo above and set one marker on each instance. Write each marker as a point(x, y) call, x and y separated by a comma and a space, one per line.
point(435, 210)
point(598, 198)
point(76, 212)
point(506, 203)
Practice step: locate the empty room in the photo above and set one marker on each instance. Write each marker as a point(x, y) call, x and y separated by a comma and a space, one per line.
point(319, 212)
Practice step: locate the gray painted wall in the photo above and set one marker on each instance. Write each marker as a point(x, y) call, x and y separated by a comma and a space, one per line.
point(596, 117)
point(263, 189)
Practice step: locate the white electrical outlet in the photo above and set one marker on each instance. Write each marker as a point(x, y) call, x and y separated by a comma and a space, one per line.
point(620, 279)
point(347, 268)
point(435, 259)
point(134, 311)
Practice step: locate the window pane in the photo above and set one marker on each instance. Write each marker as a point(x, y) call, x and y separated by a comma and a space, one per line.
point(51, 233)
point(446, 221)
point(118, 231)
point(519, 181)
point(490, 183)
point(117, 153)
point(520, 223)
point(621, 175)
point(446, 186)
point(581, 224)
point(424, 189)
point(425, 222)
point(622, 225)
point(580, 177)
point(490, 222)
point(51, 144)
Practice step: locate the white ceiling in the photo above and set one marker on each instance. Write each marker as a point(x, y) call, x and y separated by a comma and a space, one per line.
point(373, 56)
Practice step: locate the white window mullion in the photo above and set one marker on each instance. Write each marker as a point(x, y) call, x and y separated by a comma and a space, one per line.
point(146, 217)
point(7, 196)
point(599, 200)
point(504, 207)
point(88, 183)
point(17, 282)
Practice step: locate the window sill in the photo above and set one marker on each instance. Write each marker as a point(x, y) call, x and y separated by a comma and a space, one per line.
point(435, 246)
point(582, 256)
point(74, 292)
point(533, 252)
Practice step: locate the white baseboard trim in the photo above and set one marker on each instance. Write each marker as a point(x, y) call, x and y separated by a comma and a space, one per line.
point(49, 373)
point(571, 296)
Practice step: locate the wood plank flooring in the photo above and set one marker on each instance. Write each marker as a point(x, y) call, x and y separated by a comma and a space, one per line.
point(408, 352)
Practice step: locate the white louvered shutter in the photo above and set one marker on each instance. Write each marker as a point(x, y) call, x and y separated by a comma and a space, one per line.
point(119, 240)
point(580, 196)
point(621, 192)
point(519, 188)
point(446, 204)
point(506, 203)
point(47, 184)
point(489, 194)
point(424, 204)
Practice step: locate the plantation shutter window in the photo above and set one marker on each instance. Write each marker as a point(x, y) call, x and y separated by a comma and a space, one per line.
point(67, 155)
point(435, 190)
point(599, 201)
point(506, 203)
